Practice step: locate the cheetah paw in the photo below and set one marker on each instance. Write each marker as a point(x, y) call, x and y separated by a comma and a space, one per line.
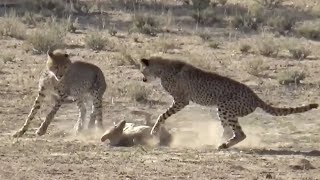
point(223, 146)
point(40, 132)
point(19, 133)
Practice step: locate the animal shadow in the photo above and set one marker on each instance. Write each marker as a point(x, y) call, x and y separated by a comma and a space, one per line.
point(282, 152)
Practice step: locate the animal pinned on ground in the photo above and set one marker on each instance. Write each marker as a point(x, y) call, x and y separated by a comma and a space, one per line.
point(62, 78)
point(185, 83)
point(129, 134)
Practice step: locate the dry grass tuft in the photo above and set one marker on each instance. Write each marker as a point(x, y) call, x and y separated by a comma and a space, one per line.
point(95, 40)
point(244, 48)
point(13, 27)
point(270, 4)
point(291, 77)
point(255, 67)
point(267, 47)
point(310, 30)
point(145, 24)
point(49, 37)
point(214, 44)
point(299, 53)
point(137, 92)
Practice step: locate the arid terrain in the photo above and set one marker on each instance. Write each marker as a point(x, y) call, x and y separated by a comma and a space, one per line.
point(270, 45)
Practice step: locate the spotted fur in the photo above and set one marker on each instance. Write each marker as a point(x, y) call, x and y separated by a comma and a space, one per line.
point(63, 78)
point(233, 99)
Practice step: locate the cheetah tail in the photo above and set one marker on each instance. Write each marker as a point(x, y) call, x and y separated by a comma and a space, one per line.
point(276, 111)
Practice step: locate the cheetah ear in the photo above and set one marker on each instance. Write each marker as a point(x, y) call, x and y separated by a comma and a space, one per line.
point(50, 53)
point(145, 61)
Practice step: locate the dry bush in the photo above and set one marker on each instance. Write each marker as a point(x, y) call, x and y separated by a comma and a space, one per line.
point(245, 22)
point(137, 92)
point(7, 57)
point(255, 67)
point(49, 37)
point(204, 35)
point(206, 16)
point(299, 53)
point(95, 40)
point(270, 4)
point(310, 30)
point(12, 26)
point(290, 77)
point(45, 7)
point(32, 19)
point(145, 24)
point(214, 44)
point(166, 45)
point(267, 47)
point(281, 22)
point(244, 48)
point(69, 24)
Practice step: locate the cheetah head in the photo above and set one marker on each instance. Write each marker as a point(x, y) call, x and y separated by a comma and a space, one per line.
point(149, 69)
point(114, 134)
point(58, 63)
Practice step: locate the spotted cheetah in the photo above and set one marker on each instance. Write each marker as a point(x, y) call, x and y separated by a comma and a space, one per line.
point(185, 83)
point(129, 134)
point(62, 78)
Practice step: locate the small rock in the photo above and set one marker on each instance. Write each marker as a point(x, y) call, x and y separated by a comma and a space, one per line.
point(268, 176)
point(302, 164)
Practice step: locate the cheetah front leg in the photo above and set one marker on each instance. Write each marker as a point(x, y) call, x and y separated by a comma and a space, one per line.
point(175, 107)
point(44, 126)
point(36, 106)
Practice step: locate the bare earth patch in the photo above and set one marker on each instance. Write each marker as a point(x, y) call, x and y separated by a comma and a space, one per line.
point(275, 148)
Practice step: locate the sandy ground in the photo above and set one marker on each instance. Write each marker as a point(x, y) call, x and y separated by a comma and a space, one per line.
point(275, 148)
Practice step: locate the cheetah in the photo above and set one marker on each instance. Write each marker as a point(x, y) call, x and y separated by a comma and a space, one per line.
point(63, 78)
point(128, 134)
point(185, 83)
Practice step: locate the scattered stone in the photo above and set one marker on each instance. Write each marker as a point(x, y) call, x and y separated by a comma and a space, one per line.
point(302, 164)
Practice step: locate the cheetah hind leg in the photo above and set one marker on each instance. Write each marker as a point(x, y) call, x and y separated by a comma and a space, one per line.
point(238, 134)
point(96, 115)
point(82, 115)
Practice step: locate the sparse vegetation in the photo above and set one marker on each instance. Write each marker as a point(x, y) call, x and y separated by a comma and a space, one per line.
point(137, 92)
point(166, 45)
point(49, 37)
point(244, 48)
point(145, 24)
point(299, 53)
point(255, 67)
point(267, 47)
point(95, 40)
point(214, 44)
point(271, 4)
point(310, 30)
point(206, 16)
point(291, 77)
point(12, 26)
point(205, 35)
point(281, 22)
point(7, 57)
point(70, 25)
point(244, 22)
point(224, 37)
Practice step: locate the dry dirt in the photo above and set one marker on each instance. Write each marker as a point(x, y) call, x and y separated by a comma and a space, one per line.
point(273, 149)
